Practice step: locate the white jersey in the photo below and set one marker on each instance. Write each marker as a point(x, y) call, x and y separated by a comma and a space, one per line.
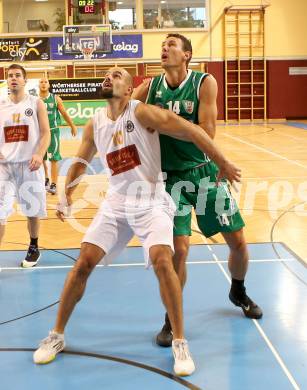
point(129, 152)
point(19, 129)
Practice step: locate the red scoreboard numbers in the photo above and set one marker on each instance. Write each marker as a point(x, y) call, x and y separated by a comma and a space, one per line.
point(86, 6)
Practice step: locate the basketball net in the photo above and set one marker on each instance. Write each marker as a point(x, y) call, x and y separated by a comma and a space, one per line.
point(87, 52)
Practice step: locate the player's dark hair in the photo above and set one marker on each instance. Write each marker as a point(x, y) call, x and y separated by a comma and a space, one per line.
point(17, 66)
point(186, 44)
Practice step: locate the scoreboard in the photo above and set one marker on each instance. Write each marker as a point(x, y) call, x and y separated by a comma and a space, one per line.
point(86, 6)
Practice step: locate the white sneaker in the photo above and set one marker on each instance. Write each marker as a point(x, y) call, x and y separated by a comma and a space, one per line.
point(184, 364)
point(49, 348)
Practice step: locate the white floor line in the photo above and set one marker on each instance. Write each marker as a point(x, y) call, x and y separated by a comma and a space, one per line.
point(259, 328)
point(143, 264)
point(265, 150)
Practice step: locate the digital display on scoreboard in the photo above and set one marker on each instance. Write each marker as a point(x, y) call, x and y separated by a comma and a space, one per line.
point(86, 6)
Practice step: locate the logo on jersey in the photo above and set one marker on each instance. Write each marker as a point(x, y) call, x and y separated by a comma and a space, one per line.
point(51, 105)
point(158, 94)
point(16, 133)
point(123, 160)
point(29, 112)
point(129, 126)
point(188, 106)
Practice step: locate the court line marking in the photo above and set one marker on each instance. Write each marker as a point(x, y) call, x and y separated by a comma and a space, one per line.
point(182, 381)
point(265, 150)
point(259, 328)
point(288, 249)
point(207, 262)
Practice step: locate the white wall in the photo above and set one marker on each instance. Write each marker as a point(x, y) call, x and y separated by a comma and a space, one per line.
point(17, 14)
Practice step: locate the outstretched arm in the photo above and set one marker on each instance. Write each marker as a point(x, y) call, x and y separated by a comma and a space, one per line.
point(84, 156)
point(166, 122)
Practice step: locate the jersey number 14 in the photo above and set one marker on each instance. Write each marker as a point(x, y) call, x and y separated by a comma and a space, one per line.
point(174, 106)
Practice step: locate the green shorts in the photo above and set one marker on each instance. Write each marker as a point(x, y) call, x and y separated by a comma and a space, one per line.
point(215, 208)
point(53, 152)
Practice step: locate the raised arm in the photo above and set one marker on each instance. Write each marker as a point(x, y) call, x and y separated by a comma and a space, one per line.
point(166, 122)
point(77, 169)
point(44, 138)
point(141, 92)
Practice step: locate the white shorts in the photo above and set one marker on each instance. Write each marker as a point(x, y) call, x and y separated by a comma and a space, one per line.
point(118, 219)
point(18, 183)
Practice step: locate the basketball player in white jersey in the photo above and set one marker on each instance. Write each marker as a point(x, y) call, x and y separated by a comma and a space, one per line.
point(24, 138)
point(136, 203)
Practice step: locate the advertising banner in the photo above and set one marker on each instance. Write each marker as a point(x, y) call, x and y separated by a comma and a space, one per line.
point(24, 49)
point(124, 46)
point(77, 89)
point(81, 112)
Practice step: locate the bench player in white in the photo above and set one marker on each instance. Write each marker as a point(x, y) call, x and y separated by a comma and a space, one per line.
point(24, 138)
point(136, 203)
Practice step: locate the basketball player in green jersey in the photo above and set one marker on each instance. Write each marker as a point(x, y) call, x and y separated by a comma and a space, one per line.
point(54, 106)
point(192, 95)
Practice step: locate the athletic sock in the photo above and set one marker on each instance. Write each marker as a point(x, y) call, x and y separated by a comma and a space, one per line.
point(34, 242)
point(237, 288)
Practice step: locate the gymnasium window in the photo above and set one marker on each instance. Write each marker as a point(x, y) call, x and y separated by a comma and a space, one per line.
point(122, 14)
point(174, 13)
point(25, 16)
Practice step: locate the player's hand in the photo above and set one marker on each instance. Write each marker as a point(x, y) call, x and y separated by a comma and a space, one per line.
point(63, 208)
point(35, 162)
point(230, 172)
point(74, 130)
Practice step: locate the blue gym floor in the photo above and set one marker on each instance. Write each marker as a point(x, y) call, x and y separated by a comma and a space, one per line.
point(110, 337)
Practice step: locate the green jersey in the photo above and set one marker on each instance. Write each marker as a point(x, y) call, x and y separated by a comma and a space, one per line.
point(53, 112)
point(178, 155)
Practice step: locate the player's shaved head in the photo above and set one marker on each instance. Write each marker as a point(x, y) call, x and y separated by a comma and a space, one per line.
point(117, 83)
point(126, 75)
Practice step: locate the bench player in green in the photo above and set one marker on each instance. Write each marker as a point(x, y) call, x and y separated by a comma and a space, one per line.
point(55, 107)
point(192, 95)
